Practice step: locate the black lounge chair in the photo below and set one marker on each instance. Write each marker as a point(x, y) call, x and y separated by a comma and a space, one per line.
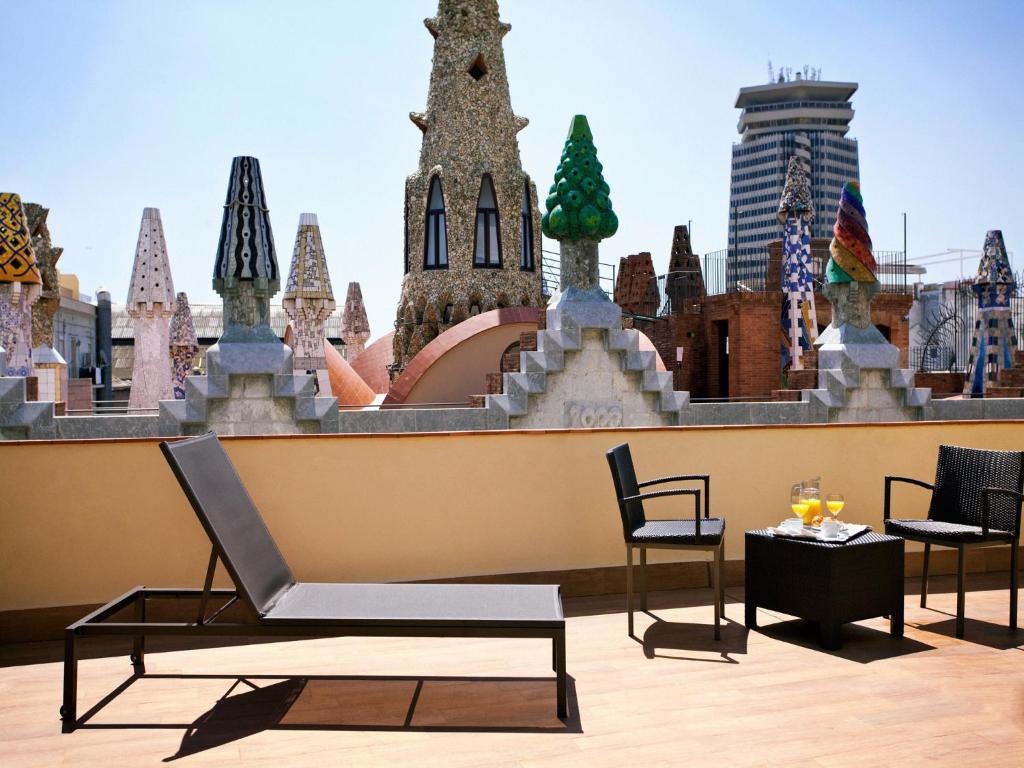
point(705, 534)
point(976, 502)
point(277, 605)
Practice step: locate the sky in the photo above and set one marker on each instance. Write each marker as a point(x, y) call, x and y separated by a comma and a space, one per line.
point(124, 105)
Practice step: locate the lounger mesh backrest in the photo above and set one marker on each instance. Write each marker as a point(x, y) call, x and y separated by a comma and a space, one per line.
point(230, 519)
point(620, 461)
point(960, 475)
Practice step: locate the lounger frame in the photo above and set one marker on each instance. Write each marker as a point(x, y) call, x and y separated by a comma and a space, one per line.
point(257, 624)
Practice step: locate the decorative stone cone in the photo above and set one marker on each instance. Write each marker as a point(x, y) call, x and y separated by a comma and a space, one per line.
point(850, 274)
point(308, 297)
point(579, 215)
point(184, 344)
point(995, 338)
point(355, 326)
point(245, 273)
point(796, 213)
point(20, 286)
point(151, 305)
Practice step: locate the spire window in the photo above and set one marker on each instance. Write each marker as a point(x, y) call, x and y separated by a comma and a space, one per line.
point(435, 249)
point(487, 246)
point(526, 233)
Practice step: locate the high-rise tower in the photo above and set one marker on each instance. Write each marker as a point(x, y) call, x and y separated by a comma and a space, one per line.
point(472, 228)
point(802, 116)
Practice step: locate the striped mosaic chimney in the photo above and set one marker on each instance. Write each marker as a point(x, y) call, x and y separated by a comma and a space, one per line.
point(245, 273)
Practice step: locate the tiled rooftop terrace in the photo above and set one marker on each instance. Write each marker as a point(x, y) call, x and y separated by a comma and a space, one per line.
point(672, 697)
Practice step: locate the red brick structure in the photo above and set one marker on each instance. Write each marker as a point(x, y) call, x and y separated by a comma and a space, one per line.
point(728, 345)
point(636, 287)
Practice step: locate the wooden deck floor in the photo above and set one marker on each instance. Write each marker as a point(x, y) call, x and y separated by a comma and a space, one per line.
point(674, 697)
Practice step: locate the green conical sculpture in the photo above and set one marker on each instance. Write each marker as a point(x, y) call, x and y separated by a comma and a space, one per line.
point(578, 206)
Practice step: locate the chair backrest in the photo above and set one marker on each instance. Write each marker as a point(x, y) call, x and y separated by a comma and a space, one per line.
point(620, 461)
point(960, 475)
point(230, 519)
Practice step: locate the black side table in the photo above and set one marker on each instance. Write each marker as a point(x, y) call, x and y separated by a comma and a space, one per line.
point(827, 583)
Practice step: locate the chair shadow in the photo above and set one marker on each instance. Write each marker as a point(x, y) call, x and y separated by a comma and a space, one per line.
point(686, 636)
point(860, 644)
point(252, 704)
point(997, 636)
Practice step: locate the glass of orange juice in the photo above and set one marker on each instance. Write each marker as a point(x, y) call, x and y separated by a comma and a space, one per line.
point(835, 503)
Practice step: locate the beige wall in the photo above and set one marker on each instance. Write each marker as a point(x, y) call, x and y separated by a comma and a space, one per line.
point(462, 371)
point(106, 516)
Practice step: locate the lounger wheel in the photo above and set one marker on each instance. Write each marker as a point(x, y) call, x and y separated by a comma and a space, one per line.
point(134, 659)
point(64, 713)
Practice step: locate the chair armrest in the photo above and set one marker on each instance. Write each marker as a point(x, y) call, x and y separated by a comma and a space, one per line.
point(695, 492)
point(984, 507)
point(890, 479)
point(706, 479)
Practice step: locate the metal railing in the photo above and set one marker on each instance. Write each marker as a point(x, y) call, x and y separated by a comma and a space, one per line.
point(551, 275)
point(949, 332)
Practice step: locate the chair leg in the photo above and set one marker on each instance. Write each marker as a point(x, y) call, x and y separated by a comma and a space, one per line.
point(69, 707)
point(716, 586)
point(643, 578)
point(924, 575)
point(721, 577)
point(629, 588)
point(1015, 545)
point(960, 591)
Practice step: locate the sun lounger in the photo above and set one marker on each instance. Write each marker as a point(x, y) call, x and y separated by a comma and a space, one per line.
point(277, 605)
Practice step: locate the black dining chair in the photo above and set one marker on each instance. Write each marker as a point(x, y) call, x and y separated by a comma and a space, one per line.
point(701, 532)
point(976, 502)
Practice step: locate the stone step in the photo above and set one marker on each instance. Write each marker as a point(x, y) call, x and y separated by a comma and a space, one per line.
point(1004, 392)
point(1011, 377)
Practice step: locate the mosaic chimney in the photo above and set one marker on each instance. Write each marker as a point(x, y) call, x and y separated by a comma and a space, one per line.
point(472, 231)
point(308, 297)
point(245, 274)
point(151, 305)
point(184, 344)
point(355, 326)
point(20, 287)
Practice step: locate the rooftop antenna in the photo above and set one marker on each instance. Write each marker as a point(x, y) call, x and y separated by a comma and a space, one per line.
point(771, 72)
point(806, 69)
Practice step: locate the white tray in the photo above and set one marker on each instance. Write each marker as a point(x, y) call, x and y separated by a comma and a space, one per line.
point(847, 532)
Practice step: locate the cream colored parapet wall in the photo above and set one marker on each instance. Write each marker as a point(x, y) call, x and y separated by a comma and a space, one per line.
point(82, 522)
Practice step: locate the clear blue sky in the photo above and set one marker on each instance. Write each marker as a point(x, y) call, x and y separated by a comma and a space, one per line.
point(123, 105)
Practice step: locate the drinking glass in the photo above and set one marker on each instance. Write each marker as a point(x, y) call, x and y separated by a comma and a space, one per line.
point(812, 497)
point(835, 503)
point(797, 502)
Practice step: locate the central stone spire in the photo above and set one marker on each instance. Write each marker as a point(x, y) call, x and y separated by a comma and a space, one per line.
point(472, 228)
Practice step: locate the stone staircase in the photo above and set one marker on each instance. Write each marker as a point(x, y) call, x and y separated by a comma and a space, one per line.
point(21, 418)
point(585, 370)
point(236, 397)
point(1010, 381)
point(864, 383)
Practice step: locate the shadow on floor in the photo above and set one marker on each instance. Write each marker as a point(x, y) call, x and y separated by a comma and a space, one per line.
point(997, 636)
point(663, 637)
point(252, 704)
point(861, 644)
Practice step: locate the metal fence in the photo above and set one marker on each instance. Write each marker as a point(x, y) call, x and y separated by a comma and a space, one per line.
point(725, 274)
point(551, 274)
point(947, 345)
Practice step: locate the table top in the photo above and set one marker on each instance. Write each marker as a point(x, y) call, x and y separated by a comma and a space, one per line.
point(867, 538)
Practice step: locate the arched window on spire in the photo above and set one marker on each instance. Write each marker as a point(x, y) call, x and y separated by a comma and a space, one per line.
point(487, 246)
point(435, 246)
point(526, 232)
